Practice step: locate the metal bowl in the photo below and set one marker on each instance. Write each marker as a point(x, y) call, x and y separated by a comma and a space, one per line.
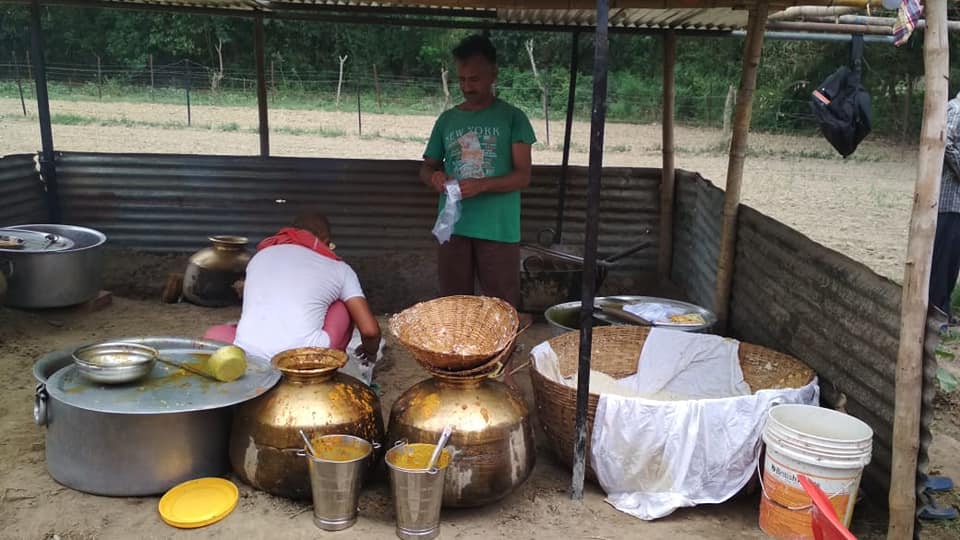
point(115, 363)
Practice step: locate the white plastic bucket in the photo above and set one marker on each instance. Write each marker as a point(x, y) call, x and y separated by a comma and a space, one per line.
point(828, 447)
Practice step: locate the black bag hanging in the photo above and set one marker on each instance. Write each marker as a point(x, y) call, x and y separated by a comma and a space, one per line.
point(842, 105)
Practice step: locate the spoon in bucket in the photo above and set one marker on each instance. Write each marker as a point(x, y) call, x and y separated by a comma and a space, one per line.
point(444, 437)
point(307, 441)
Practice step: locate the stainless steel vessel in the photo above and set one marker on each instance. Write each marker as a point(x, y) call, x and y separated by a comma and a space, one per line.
point(58, 265)
point(141, 438)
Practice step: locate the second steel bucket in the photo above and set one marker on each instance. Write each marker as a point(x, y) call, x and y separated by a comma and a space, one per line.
point(417, 492)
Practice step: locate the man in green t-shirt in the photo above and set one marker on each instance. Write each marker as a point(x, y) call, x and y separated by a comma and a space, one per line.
point(484, 144)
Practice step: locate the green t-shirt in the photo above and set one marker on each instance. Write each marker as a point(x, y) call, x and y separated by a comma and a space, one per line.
point(478, 144)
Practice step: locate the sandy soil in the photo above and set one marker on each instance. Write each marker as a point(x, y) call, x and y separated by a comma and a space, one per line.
point(858, 206)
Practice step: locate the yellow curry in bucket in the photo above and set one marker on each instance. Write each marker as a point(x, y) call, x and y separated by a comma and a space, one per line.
point(339, 449)
point(416, 456)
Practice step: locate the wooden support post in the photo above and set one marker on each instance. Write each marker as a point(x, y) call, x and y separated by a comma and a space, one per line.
point(150, 58)
point(263, 127)
point(738, 151)
point(667, 182)
point(99, 79)
point(916, 279)
point(597, 120)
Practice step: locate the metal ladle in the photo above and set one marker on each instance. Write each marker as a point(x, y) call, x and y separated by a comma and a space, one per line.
point(308, 443)
point(444, 437)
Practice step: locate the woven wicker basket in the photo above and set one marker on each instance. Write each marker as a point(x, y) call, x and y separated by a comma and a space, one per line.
point(456, 332)
point(615, 352)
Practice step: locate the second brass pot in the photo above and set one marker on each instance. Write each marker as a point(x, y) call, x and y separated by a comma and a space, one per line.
point(492, 446)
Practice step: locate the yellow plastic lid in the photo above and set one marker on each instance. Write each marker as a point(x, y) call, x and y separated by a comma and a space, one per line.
point(198, 503)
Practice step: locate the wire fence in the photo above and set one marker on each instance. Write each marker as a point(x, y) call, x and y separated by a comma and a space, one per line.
point(192, 83)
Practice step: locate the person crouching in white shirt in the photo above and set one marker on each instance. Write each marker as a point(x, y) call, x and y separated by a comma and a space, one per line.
point(299, 293)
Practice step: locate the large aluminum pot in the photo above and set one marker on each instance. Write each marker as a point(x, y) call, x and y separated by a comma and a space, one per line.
point(63, 272)
point(139, 439)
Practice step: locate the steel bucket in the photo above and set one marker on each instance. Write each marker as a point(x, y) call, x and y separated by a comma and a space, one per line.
point(335, 482)
point(417, 493)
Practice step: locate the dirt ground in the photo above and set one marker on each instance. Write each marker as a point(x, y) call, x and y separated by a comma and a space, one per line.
point(859, 206)
point(33, 506)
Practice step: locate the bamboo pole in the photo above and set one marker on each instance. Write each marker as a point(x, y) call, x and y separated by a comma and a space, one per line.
point(738, 151)
point(916, 279)
point(875, 30)
point(667, 182)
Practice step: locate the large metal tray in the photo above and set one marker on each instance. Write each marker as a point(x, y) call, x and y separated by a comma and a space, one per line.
point(618, 301)
point(166, 389)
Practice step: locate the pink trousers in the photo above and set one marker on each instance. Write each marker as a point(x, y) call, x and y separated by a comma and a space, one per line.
point(337, 325)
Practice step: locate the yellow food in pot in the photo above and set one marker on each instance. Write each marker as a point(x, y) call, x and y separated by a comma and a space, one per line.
point(416, 456)
point(339, 450)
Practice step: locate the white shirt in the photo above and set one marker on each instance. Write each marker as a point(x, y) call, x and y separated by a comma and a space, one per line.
point(286, 294)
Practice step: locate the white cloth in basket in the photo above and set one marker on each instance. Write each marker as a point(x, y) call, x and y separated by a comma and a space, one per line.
point(652, 456)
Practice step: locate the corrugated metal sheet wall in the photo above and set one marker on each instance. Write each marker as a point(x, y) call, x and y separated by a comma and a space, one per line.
point(836, 314)
point(696, 237)
point(21, 193)
point(380, 213)
point(794, 295)
point(173, 202)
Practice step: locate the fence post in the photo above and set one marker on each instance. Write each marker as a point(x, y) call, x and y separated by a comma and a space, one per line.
point(728, 108)
point(29, 67)
point(16, 71)
point(376, 86)
point(151, 72)
point(99, 79)
point(188, 92)
point(359, 119)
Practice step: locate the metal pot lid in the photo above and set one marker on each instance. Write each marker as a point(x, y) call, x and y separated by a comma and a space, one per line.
point(30, 241)
point(166, 389)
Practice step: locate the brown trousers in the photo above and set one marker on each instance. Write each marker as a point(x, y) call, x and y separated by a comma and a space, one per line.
point(496, 265)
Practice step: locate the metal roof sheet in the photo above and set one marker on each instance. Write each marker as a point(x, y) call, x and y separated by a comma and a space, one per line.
point(699, 15)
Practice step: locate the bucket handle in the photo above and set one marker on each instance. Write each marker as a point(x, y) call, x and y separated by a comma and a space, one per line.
point(804, 508)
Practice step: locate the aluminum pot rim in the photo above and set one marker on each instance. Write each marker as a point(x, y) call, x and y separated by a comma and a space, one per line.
point(101, 238)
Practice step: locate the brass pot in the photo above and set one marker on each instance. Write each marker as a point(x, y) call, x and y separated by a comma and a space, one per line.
point(311, 396)
point(492, 446)
point(212, 271)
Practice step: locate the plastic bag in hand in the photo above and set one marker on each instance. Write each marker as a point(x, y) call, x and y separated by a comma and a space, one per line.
point(450, 214)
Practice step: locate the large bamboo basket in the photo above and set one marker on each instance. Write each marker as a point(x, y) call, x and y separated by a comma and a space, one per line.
point(456, 332)
point(615, 352)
